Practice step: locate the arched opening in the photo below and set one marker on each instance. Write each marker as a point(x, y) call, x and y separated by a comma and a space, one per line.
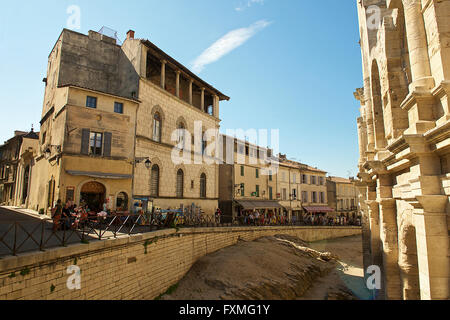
point(180, 184)
point(157, 125)
point(154, 184)
point(26, 182)
point(203, 186)
point(122, 201)
point(93, 194)
point(378, 113)
point(181, 134)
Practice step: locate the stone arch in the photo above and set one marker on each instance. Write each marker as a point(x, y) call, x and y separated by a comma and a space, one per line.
point(180, 182)
point(128, 200)
point(377, 107)
point(83, 184)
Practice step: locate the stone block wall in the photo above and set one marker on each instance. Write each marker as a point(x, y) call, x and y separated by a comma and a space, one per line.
point(139, 267)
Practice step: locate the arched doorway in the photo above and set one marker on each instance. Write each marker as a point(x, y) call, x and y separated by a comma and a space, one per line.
point(93, 194)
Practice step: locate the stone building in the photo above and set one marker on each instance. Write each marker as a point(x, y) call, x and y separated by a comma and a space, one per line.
point(16, 167)
point(247, 178)
point(177, 110)
point(302, 189)
point(109, 127)
point(343, 197)
point(404, 141)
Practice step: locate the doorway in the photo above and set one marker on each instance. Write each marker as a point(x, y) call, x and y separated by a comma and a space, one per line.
point(93, 194)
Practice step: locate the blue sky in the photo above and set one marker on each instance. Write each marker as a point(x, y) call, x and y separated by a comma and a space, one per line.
point(291, 65)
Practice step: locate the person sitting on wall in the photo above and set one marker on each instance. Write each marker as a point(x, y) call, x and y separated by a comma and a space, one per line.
point(56, 215)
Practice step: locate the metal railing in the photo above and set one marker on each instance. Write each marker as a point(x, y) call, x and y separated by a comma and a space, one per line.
point(24, 236)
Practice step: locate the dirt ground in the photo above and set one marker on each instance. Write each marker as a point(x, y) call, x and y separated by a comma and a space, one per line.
point(277, 268)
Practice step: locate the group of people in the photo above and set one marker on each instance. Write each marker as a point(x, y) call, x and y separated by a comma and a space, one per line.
point(323, 220)
point(70, 216)
point(260, 219)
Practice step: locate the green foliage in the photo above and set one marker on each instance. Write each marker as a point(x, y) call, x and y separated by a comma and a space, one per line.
point(41, 211)
point(12, 275)
point(25, 271)
point(149, 242)
point(52, 288)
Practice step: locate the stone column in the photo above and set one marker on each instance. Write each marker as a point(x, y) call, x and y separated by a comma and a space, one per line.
point(178, 73)
point(163, 74)
point(369, 116)
point(430, 219)
point(190, 90)
point(216, 106)
point(389, 238)
point(417, 45)
point(375, 241)
point(362, 140)
point(202, 100)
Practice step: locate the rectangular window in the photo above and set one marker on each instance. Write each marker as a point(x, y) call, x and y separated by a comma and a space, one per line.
point(270, 175)
point(118, 107)
point(257, 173)
point(91, 102)
point(304, 179)
point(322, 197)
point(257, 191)
point(314, 197)
point(242, 171)
point(313, 179)
point(294, 178)
point(270, 193)
point(305, 196)
point(96, 143)
point(242, 190)
point(284, 194)
point(294, 194)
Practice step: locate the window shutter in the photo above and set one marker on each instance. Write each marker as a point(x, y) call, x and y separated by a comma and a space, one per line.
point(85, 133)
point(155, 181)
point(107, 145)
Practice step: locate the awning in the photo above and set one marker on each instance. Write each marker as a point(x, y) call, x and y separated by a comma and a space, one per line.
point(250, 205)
point(318, 209)
point(100, 175)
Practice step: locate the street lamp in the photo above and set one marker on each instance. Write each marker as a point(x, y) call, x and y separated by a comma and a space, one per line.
point(146, 161)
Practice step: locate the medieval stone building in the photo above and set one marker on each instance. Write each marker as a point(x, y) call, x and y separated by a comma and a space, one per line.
point(404, 139)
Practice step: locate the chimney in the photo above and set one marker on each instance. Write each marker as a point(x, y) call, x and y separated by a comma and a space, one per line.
point(130, 34)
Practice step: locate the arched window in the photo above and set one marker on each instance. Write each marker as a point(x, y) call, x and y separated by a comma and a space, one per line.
point(180, 183)
point(154, 183)
point(181, 134)
point(203, 186)
point(157, 127)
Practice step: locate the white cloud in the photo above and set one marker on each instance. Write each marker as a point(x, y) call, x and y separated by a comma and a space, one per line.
point(248, 4)
point(227, 43)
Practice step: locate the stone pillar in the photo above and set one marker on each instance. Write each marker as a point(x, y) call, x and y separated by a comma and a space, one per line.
point(178, 73)
point(417, 45)
point(216, 106)
point(430, 220)
point(375, 241)
point(190, 90)
point(389, 238)
point(409, 270)
point(362, 140)
point(163, 74)
point(202, 100)
point(369, 116)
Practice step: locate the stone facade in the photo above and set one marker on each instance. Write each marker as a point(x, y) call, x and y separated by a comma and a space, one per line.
point(343, 197)
point(404, 137)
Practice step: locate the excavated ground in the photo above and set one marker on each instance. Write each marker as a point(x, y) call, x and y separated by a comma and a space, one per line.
point(276, 268)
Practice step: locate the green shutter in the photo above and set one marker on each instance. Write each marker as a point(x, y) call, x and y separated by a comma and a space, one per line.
point(85, 133)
